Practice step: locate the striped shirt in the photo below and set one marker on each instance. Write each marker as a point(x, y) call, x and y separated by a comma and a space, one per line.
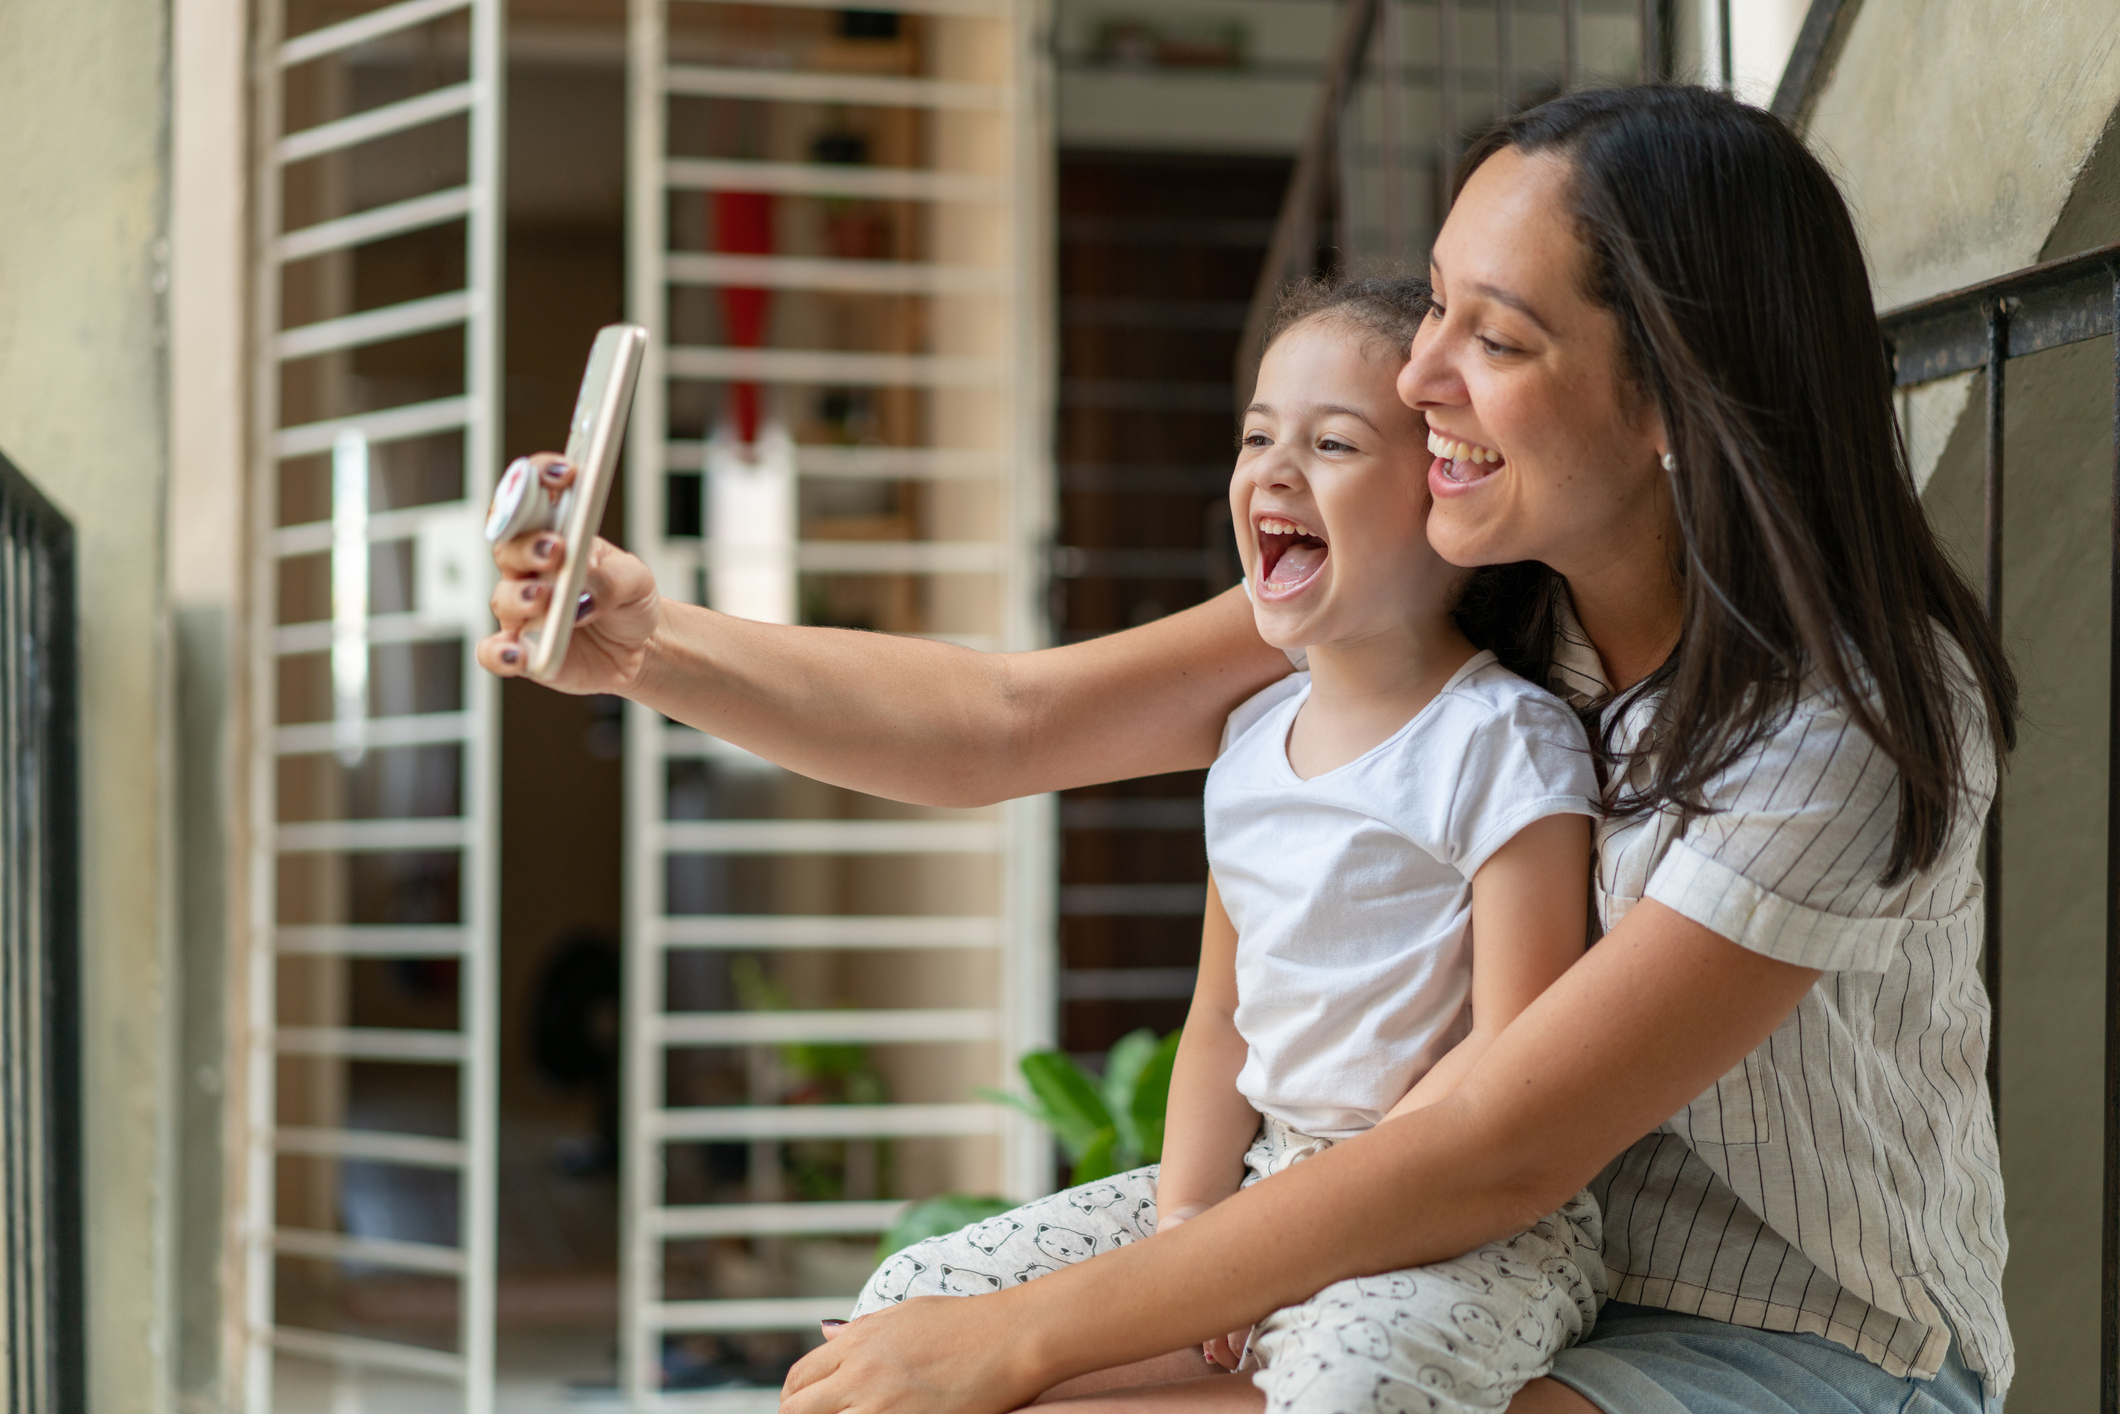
point(1844, 1179)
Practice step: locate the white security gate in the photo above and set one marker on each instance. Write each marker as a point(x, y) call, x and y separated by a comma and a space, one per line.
point(838, 232)
point(369, 1136)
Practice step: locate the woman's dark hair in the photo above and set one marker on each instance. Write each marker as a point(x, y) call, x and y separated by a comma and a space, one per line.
point(1492, 608)
point(1725, 252)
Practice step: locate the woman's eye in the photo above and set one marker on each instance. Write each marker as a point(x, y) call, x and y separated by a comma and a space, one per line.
point(1492, 346)
point(1435, 311)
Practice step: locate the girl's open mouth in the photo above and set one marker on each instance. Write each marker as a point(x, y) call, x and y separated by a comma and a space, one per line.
point(1289, 554)
point(1462, 463)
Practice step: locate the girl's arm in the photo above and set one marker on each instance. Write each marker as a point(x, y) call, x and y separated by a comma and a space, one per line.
point(899, 717)
point(1644, 1022)
point(1531, 899)
point(1208, 1124)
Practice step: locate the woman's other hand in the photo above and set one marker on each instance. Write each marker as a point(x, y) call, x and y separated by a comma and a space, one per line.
point(929, 1355)
point(613, 624)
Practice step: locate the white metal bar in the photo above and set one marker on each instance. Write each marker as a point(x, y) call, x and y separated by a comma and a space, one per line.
point(316, 536)
point(371, 1251)
point(382, 628)
point(373, 1043)
point(707, 81)
point(391, 118)
point(412, 1150)
point(640, 1375)
point(389, 425)
point(834, 367)
point(370, 940)
point(829, 179)
point(870, 463)
point(892, 556)
point(358, 836)
point(973, 9)
point(821, 1121)
point(829, 836)
point(371, 26)
point(772, 1313)
point(773, 1219)
point(798, 272)
point(774, 931)
point(376, 733)
point(376, 326)
point(377, 223)
point(759, 1028)
point(360, 1351)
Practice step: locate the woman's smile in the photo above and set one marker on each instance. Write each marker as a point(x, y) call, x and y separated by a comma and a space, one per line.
point(1459, 463)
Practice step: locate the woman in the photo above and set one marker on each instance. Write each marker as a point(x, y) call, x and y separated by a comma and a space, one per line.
point(1653, 336)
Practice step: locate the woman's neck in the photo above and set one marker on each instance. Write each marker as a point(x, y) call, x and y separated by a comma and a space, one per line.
point(1632, 614)
point(1364, 689)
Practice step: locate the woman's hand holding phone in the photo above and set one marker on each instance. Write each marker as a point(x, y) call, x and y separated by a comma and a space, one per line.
point(614, 624)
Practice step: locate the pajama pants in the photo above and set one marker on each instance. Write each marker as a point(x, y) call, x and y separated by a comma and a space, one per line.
point(1454, 1336)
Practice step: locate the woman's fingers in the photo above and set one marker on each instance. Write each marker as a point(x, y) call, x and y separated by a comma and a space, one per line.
point(501, 654)
point(539, 552)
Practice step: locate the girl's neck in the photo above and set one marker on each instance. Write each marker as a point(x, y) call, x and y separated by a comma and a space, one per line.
point(1364, 689)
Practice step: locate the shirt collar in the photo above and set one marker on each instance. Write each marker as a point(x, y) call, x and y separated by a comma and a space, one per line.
point(1578, 674)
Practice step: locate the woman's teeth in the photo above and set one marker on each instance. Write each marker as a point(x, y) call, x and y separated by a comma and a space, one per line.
point(1450, 450)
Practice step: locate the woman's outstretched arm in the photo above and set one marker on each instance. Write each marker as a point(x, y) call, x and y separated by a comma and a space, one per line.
point(900, 717)
point(1647, 1020)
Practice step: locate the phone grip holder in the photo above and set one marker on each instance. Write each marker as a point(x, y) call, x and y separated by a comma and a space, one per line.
point(521, 504)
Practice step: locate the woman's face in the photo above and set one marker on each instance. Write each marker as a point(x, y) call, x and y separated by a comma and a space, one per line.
point(1543, 450)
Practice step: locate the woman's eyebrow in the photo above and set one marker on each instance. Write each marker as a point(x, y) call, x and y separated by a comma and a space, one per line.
point(1515, 302)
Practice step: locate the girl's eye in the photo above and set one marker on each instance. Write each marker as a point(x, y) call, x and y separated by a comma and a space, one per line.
point(1256, 439)
point(1334, 444)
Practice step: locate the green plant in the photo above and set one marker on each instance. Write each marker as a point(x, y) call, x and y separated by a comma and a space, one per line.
point(932, 1217)
point(1106, 1124)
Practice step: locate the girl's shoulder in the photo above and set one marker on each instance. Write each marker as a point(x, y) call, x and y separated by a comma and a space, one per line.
point(1255, 709)
point(1488, 701)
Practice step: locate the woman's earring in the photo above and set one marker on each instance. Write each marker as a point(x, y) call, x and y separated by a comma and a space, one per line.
point(1670, 460)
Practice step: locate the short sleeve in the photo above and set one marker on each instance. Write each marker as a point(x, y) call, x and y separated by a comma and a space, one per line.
point(1788, 862)
point(1526, 761)
point(1255, 707)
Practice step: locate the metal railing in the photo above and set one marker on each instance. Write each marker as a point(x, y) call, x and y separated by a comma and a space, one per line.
point(1980, 329)
point(1376, 66)
point(42, 1353)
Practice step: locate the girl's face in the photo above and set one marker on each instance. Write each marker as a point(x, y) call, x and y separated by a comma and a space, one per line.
point(1328, 496)
point(1542, 450)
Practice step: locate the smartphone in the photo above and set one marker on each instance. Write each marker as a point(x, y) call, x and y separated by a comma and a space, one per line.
point(593, 440)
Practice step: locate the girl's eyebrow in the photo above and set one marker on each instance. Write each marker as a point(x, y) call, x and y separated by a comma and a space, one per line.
point(1323, 409)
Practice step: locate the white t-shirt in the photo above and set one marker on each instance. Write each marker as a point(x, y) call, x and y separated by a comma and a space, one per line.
point(1352, 891)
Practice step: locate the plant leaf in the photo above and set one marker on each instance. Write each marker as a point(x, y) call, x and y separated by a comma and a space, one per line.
point(1151, 1098)
point(933, 1217)
point(1096, 1160)
point(1072, 1106)
point(1122, 1068)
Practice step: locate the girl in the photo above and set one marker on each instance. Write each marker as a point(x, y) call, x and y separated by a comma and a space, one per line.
point(1366, 819)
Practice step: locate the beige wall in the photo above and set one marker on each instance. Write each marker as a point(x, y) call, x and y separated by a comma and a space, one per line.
point(1967, 136)
point(82, 101)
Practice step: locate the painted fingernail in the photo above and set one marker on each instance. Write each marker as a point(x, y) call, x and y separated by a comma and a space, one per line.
point(832, 1324)
point(531, 591)
point(555, 471)
point(511, 656)
point(544, 547)
point(581, 606)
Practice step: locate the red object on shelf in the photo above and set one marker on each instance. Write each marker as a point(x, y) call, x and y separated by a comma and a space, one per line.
point(743, 225)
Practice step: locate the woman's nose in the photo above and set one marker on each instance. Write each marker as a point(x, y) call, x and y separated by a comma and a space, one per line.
point(1427, 380)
